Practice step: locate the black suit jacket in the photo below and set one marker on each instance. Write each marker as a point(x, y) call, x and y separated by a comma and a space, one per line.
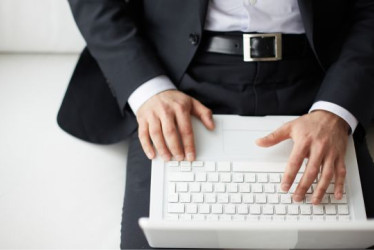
point(130, 42)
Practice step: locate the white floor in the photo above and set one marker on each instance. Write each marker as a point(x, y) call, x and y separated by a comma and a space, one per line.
point(55, 191)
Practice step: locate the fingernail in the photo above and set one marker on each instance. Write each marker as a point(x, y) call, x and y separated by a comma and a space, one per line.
point(338, 195)
point(166, 157)
point(285, 187)
point(179, 157)
point(190, 156)
point(297, 197)
point(149, 155)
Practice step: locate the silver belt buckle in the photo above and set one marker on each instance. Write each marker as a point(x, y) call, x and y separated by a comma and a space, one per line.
point(247, 57)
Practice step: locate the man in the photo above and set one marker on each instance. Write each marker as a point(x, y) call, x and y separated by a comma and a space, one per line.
point(165, 60)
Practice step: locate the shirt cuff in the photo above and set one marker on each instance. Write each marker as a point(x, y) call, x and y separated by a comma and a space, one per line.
point(337, 110)
point(147, 90)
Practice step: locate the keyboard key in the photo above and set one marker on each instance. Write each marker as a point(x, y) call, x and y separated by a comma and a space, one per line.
point(198, 217)
point(248, 198)
point(262, 178)
point(344, 218)
point(330, 189)
point(219, 188)
point(238, 178)
point(268, 209)
point(260, 198)
point(257, 188)
point(204, 209)
point(238, 217)
point(330, 218)
point(207, 187)
point(274, 178)
point(217, 209)
point(305, 209)
point(229, 209)
point(252, 217)
point(318, 209)
point(198, 198)
point(273, 198)
point(171, 187)
point(210, 198)
point(201, 177)
point(285, 198)
point(317, 218)
point(185, 166)
point(330, 209)
point(172, 217)
point(176, 208)
point(325, 199)
point(224, 217)
point(304, 218)
point(293, 209)
point(191, 208)
point(255, 209)
point(265, 218)
point(185, 198)
point(269, 188)
point(232, 188)
point(172, 164)
point(279, 218)
point(280, 209)
point(181, 177)
point(235, 198)
point(291, 218)
point(298, 178)
point(225, 177)
point(173, 197)
point(213, 177)
point(197, 164)
point(343, 209)
point(222, 198)
point(223, 166)
point(210, 166)
point(292, 189)
point(308, 198)
point(243, 209)
point(212, 217)
point(186, 217)
point(244, 188)
point(182, 187)
point(195, 187)
point(251, 177)
point(335, 201)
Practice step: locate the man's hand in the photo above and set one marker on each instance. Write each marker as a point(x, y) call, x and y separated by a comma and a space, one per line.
point(165, 121)
point(321, 137)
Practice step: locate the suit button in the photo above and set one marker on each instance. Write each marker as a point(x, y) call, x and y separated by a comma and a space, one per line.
point(194, 38)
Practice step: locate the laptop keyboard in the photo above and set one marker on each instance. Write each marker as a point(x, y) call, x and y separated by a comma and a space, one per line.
point(243, 191)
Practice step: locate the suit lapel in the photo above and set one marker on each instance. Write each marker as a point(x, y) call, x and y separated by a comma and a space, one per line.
point(202, 7)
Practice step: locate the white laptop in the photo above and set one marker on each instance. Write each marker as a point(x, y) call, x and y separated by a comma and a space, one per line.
point(230, 196)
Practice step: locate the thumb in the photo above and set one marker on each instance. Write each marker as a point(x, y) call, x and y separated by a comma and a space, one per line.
point(203, 113)
point(275, 137)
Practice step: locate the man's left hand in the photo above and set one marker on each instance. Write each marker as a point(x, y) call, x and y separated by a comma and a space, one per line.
point(321, 137)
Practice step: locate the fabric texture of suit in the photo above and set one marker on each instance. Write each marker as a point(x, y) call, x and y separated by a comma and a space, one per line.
point(130, 42)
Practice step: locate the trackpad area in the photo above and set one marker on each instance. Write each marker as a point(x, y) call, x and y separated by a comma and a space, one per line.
point(242, 143)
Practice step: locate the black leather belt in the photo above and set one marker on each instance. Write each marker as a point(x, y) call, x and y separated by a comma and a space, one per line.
point(257, 47)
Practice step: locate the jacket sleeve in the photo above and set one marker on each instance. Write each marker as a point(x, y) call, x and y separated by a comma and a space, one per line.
point(114, 40)
point(349, 82)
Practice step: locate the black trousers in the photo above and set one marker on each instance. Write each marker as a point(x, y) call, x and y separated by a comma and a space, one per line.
point(227, 85)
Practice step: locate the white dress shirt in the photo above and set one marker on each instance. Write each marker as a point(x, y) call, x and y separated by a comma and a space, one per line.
point(265, 16)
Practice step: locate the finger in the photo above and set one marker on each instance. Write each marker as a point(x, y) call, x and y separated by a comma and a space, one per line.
point(171, 136)
point(311, 172)
point(297, 156)
point(203, 113)
point(340, 173)
point(145, 140)
point(275, 137)
point(325, 180)
point(158, 139)
point(186, 132)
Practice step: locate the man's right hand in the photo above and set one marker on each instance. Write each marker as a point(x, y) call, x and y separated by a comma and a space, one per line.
point(165, 121)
